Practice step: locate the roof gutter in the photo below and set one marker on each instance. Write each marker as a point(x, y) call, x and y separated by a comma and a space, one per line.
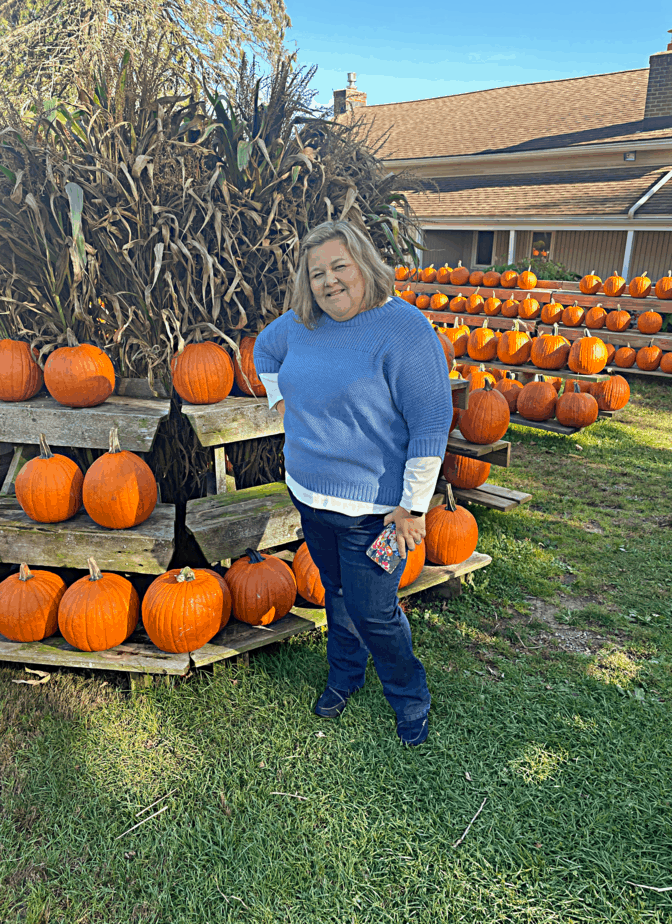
point(647, 195)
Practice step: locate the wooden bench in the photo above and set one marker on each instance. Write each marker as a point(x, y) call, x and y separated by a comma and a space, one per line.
point(489, 495)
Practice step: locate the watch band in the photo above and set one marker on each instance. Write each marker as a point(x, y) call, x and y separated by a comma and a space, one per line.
point(417, 513)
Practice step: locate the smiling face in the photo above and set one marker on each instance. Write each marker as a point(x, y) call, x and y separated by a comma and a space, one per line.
point(336, 281)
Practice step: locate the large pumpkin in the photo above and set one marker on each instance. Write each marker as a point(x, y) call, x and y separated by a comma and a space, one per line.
point(439, 302)
point(99, 611)
point(618, 321)
point(640, 286)
point(29, 604)
point(463, 472)
point(263, 588)
point(182, 609)
point(415, 562)
point(510, 387)
point(510, 308)
point(451, 532)
point(475, 303)
point(590, 284)
point(79, 374)
point(460, 275)
point(486, 419)
point(664, 286)
point(648, 357)
point(611, 395)
point(528, 308)
point(119, 489)
point(515, 346)
point(649, 322)
point(576, 408)
point(20, 376)
point(550, 351)
point(551, 313)
point(613, 285)
point(537, 400)
point(49, 488)
point(482, 343)
point(478, 376)
point(587, 355)
point(509, 279)
point(203, 372)
point(308, 581)
point(573, 315)
point(256, 386)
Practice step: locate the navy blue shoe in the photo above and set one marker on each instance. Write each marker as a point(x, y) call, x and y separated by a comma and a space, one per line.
point(331, 703)
point(413, 733)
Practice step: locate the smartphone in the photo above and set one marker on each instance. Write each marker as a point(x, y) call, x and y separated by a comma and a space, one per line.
point(384, 550)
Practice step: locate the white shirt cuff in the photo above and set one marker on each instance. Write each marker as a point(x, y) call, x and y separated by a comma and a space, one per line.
point(270, 383)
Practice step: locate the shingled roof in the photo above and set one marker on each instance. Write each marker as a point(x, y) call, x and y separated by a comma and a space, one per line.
point(528, 117)
point(572, 192)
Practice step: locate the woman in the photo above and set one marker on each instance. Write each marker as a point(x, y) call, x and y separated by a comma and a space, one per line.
point(368, 409)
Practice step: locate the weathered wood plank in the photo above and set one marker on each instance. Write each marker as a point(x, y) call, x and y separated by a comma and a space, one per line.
point(237, 637)
point(633, 337)
point(146, 548)
point(635, 370)
point(492, 496)
point(498, 453)
point(88, 427)
point(139, 388)
point(137, 654)
point(22, 454)
point(550, 425)
point(532, 370)
point(476, 320)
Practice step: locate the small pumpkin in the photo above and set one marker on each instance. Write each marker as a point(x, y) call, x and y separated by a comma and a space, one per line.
point(537, 400)
point(119, 489)
point(308, 581)
point(422, 301)
point(487, 416)
point(509, 279)
point(666, 363)
point(458, 304)
point(99, 611)
point(649, 322)
point(49, 488)
point(614, 285)
point(515, 346)
point(443, 275)
point(648, 357)
point(640, 286)
point(664, 286)
point(527, 279)
point(595, 317)
point(625, 357)
point(29, 604)
point(618, 320)
point(611, 395)
point(528, 308)
point(550, 351)
point(478, 376)
point(79, 374)
point(510, 387)
point(551, 312)
point(510, 308)
point(590, 284)
point(408, 295)
point(20, 376)
point(576, 408)
point(256, 386)
point(401, 273)
point(182, 609)
point(439, 302)
point(263, 588)
point(492, 306)
point(475, 303)
point(482, 343)
point(451, 532)
point(428, 274)
point(463, 472)
point(491, 279)
point(460, 275)
point(573, 315)
point(458, 335)
point(476, 278)
point(202, 372)
point(587, 355)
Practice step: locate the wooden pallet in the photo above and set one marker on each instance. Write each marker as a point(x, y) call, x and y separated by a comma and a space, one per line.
point(493, 496)
point(530, 370)
point(634, 337)
point(498, 453)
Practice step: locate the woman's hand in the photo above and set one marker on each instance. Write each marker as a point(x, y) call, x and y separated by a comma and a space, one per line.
point(280, 407)
point(410, 530)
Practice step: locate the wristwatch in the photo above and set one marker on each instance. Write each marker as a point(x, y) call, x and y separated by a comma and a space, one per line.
point(417, 513)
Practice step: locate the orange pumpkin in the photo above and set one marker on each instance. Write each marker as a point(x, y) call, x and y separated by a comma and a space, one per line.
point(422, 301)
point(463, 472)
point(29, 604)
point(401, 273)
point(537, 400)
point(573, 315)
point(458, 304)
point(527, 279)
point(182, 609)
point(415, 562)
point(119, 489)
point(664, 286)
point(439, 302)
point(482, 343)
point(460, 275)
point(611, 352)
point(590, 284)
point(428, 274)
point(510, 308)
point(528, 308)
point(509, 279)
point(640, 286)
point(486, 419)
point(587, 355)
point(256, 386)
point(618, 320)
point(510, 387)
point(648, 357)
point(448, 349)
point(458, 335)
point(308, 581)
point(583, 386)
point(550, 351)
point(79, 374)
point(595, 317)
point(478, 376)
point(625, 357)
point(226, 594)
point(551, 313)
point(614, 285)
point(49, 488)
point(263, 588)
point(576, 409)
point(611, 395)
point(408, 296)
point(443, 275)
point(515, 346)
point(649, 322)
point(451, 532)
point(492, 305)
point(99, 611)
point(475, 303)
point(20, 376)
point(666, 363)
point(203, 372)
point(491, 279)
point(476, 278)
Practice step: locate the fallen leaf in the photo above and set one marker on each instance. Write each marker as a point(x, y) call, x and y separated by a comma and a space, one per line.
point(320, 735)
point(44, 677)
point(467, 776)
point(576, 446)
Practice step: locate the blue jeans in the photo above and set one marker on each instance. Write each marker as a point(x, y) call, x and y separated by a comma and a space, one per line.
point(363, 612)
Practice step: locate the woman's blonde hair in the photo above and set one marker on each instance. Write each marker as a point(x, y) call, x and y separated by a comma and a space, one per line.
point(378, 277)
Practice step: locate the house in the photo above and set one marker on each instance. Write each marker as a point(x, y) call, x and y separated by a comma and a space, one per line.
point(578, 168)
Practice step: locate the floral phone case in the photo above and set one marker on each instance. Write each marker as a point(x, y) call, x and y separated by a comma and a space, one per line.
point(384, 550)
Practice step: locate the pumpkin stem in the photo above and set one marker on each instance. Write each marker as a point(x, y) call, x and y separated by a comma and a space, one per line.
point(94, 570)
point(25, 574)
point(645, 273)
point(72, 340)
point(186, 574)
point(556, 330)
point(254, 556)
point(450, 500)
point(114, 440)
point(45, 452)
point(485, 323)
point(487, 386)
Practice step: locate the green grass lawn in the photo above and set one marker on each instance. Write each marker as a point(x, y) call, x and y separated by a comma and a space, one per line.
point(552, 696)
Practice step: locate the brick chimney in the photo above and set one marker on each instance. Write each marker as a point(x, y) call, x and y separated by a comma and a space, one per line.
point(659, 89)
point(350, 98)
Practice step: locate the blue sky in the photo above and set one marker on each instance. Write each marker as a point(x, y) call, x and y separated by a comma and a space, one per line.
point(405, 51)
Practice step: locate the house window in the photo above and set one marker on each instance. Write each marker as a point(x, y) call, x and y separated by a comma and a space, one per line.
point(484, 245)
point(541, 244)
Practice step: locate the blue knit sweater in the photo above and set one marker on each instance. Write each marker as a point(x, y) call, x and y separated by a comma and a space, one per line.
point(361, 397)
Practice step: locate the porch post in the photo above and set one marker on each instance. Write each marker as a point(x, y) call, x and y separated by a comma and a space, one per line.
point(629, 240)
point(512, 247)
